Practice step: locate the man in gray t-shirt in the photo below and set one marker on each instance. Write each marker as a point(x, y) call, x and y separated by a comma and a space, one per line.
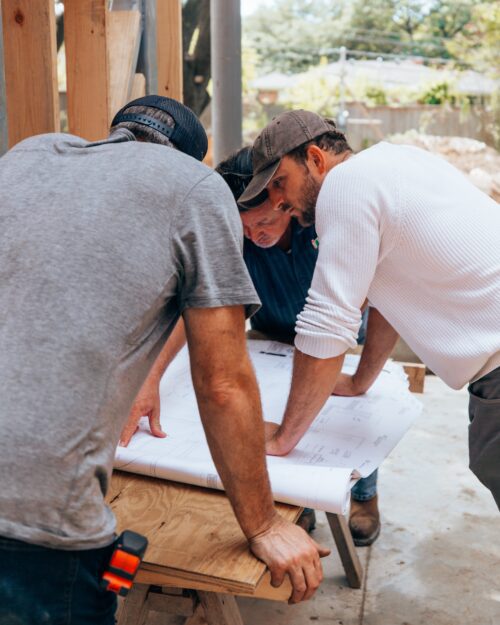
point(102, 247)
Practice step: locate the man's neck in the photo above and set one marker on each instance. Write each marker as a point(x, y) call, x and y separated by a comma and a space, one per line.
point(337, 159)
point(285, 243)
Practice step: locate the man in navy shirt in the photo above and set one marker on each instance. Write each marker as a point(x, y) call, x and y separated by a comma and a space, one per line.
point(280, 256)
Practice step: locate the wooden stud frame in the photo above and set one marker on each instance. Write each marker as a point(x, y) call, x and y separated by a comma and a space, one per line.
point(29, 39)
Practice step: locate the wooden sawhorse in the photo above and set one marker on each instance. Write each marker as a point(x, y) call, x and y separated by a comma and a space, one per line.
point(198, 559)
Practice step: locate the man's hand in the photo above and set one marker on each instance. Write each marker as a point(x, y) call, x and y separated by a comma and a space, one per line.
point(348, 386)
point(379, 342)
point(275, 445)
point(146, 404)
point(287, 549)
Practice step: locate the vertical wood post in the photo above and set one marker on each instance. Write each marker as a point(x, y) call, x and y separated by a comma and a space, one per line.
point(87, 68)
point(347, 551)
point(29, 38)
point(3, 106)
point(169, 48)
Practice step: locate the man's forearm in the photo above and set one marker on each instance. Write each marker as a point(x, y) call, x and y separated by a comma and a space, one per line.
point(172, 347)
point(312, 382)
point(229, 403)
point(235, 433)
point(379, 343)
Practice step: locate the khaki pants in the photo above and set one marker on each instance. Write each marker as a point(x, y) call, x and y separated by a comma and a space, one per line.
point(484, 431)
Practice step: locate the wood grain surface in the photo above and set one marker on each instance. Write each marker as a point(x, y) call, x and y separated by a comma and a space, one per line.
point(87, 68)
point(193, 534)
point(169, 48)
point(124, 38)
point(29, 40)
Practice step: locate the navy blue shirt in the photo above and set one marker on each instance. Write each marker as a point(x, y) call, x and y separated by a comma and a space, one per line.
point(282, 280)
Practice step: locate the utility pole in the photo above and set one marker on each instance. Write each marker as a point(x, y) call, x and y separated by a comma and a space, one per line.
point(227, 110)
point(343, 113)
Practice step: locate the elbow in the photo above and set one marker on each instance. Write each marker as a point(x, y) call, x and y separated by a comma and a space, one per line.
point(221, 391)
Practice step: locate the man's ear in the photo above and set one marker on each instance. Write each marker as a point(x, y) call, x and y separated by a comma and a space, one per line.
point(316, 159)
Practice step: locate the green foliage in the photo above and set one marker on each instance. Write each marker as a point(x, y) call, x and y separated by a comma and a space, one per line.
point(314, 91)
point(439, 93)
point(478, 43)
point(292, 35)
point(289, 35)
point(375, 95)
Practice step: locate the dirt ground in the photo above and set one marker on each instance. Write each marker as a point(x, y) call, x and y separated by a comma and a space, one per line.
point(478, 161)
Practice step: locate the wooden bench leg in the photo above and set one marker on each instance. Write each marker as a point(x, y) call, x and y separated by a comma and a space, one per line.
point(220, 609)
point(347, 551)
point(135, 607)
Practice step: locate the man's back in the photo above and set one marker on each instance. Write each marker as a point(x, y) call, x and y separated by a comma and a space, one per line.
point(99, 253)
point(424, 245)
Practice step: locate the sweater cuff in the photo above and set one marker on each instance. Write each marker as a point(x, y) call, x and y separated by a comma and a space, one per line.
point(321, 346)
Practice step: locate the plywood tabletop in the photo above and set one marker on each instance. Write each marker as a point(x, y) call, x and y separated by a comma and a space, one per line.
point(192, 532)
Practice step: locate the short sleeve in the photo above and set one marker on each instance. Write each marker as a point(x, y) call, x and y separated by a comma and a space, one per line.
point(208, 242)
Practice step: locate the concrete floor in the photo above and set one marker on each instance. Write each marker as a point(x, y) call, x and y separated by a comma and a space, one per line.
point(437, 561)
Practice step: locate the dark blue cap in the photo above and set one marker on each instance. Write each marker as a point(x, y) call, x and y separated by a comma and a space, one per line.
point(188, 135)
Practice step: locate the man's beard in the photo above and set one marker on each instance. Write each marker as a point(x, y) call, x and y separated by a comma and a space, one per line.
point(307, 202)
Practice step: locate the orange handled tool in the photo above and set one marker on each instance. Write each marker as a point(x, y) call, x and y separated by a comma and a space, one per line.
point(130, 548)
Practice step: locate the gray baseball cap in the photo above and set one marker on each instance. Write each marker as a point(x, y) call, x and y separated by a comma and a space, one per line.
point(284, 133)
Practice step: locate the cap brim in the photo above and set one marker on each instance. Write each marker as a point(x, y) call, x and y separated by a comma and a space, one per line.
point(258, 183)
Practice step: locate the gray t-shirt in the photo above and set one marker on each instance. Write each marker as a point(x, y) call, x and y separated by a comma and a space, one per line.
point(102, 246)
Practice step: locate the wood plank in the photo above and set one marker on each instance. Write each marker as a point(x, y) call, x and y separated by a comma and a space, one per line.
point(29, 39)
point(169, 48)
point(170, 578)
point(180, 605)
point(134, 610)
point(87, 68)
point(220, 609)
point(138, 87)
point(192, 531)
point(416, 376)
point(347, 550)
point(124, 37)
point(265, 591)
point(198, 617)
point(4, 142)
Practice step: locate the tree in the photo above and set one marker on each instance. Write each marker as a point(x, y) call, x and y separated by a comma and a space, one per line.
point(477, 44)
point(293, 35)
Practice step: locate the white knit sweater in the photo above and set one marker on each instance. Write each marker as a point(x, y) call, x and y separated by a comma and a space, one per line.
point(410, 232)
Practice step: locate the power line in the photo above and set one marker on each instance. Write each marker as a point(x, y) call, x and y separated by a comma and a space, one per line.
point(392, 42)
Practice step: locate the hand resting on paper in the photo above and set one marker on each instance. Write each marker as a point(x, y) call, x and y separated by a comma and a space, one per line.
point(275, 444)
point(348, 386)
point(146, 404)
point(287, 549)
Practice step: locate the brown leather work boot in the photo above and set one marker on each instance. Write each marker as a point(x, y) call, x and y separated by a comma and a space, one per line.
point(364, 521)
point(307, 520)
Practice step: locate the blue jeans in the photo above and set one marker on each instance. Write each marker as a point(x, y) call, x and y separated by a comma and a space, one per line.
point(40, 586)
point(366, 488)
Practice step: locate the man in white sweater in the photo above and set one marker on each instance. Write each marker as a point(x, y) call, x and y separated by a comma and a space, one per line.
point(406, 231)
